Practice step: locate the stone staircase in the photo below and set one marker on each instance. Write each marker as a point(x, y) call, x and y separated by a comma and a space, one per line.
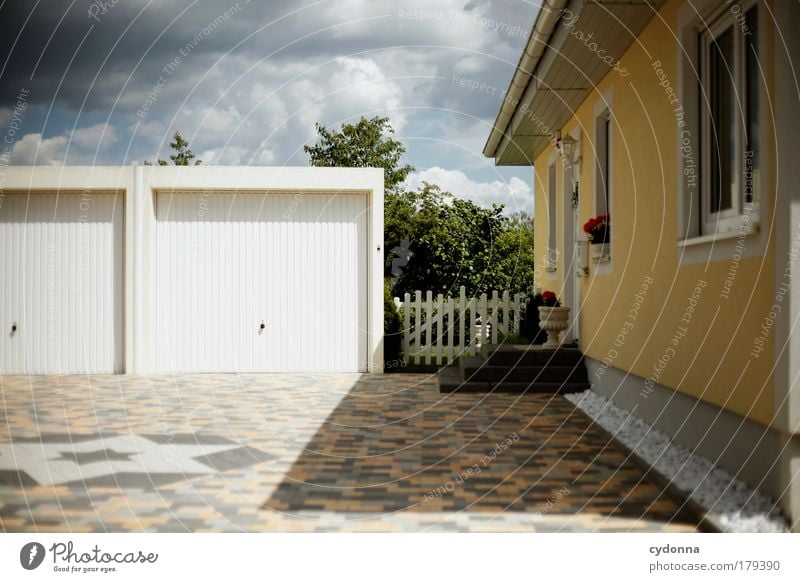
point(518, 369)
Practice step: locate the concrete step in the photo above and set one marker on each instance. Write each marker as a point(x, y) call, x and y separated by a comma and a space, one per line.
point(451, 379)
point(517, 369)
point(516, 355)
point(481, 371)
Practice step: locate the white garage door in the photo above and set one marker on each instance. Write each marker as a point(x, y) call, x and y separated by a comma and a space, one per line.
point(61, 282)
point(229, 263)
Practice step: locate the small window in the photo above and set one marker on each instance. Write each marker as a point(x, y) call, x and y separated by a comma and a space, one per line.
point(552, 240)
point(602, 182)
point(729, 114)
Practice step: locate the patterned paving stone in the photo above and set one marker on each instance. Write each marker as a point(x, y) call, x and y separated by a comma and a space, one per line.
point(309, 452)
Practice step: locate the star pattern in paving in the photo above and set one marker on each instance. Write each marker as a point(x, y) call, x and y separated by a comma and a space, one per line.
point(122, 460)
point(95, 456)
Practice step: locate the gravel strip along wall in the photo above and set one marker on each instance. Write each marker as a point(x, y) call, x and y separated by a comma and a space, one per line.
point(729, 501)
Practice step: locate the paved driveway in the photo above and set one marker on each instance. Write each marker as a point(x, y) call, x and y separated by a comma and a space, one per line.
point(338, 452)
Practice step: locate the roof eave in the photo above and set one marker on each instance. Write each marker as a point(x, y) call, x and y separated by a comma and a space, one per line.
point(536, 46)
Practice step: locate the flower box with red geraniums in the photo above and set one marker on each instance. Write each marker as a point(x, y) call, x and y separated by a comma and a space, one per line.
point(598, 229)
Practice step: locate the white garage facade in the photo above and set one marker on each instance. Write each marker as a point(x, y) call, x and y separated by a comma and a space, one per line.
point(152, 269)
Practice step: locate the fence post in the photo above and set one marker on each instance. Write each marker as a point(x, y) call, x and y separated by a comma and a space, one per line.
point(494, 322)
point(428, 326)
point(417, 324)
point(462, 315)
point(449, 315)
point(506, 316)
point(439, 354)
point(407, 327)
point(484, 318)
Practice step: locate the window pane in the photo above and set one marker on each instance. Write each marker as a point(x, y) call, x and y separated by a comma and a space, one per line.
point(753, 81)
point(602, 125)
point(723, 121)
point(606, 164)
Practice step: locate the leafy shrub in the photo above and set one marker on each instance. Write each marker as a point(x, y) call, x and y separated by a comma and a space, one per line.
point(392, 331)
point(529, 327)
point(512, 339)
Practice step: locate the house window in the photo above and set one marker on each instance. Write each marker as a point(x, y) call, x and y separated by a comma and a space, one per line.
point(602, 182)
point(552, 240)
point(729, 118)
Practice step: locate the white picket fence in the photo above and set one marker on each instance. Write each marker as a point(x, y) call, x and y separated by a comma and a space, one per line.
point(438, 330)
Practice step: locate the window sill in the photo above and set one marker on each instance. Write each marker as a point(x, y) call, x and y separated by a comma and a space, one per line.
point(603, 267)
point(751, 230)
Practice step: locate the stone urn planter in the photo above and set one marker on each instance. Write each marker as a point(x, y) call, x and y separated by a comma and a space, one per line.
point(553, 320)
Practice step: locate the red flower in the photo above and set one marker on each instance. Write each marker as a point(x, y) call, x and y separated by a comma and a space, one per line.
point(549, 299)
point(597, 228)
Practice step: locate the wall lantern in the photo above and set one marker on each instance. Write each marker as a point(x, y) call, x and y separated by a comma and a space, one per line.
point(568, 148)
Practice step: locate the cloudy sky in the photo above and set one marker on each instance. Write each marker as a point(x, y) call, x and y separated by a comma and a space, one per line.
point(109, 81)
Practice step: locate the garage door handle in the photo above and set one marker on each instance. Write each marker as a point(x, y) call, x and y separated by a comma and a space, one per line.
point(262, 326)
point(13, 328)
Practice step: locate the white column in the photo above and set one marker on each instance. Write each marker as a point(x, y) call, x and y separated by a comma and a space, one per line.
point(375, 252)
point(137, 320)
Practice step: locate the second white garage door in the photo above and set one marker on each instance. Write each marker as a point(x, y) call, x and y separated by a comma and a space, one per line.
point(261, 282)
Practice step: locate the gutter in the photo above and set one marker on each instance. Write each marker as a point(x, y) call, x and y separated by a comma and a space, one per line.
point(534, 49)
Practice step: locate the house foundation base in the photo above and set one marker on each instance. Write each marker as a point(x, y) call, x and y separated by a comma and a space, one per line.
point(764, 458)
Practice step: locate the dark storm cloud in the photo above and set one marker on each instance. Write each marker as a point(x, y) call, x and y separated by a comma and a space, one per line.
point(85, 53)
point(109, 81)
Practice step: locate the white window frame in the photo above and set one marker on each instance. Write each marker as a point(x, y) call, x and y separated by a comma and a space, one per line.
point(693, 246)
point(603, 136)
point(731, 219)
point(603, 146)
point(552, 220)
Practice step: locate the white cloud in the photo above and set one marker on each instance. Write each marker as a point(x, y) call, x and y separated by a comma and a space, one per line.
point(515, 194)
point(150, 129)
point(360, 57)
point(270, 120)
point(32, 149)
point(256, 102)
point(363, 87)
point(5, 116)
point(93, 137)
point(84, 145)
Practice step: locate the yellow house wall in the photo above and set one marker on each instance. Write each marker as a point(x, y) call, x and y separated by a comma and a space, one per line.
point(713, 360)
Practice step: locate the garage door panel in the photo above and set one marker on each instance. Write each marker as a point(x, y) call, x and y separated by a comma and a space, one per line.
point(291, 261)
point(61, 265)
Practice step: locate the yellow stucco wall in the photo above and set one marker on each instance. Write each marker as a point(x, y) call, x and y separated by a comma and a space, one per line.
point(710, 358)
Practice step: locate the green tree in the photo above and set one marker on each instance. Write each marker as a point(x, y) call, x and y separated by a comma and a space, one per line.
point(433, 240)
point(446, 242)
point(182, 156)
point(366, 144)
